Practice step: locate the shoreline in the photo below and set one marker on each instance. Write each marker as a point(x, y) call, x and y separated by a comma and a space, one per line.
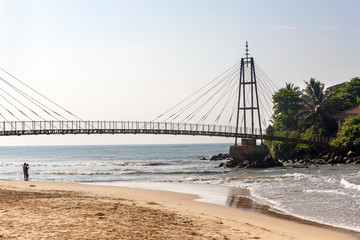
point(215, 220)
point(237, 198)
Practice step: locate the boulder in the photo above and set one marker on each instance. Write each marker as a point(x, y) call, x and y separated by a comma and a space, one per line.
point(350, 160)
point(231, 164)
point(351, 154)
point(226, 156)
point(302, 161)
point(244, 164)
point(333, 161)
point(267, 162)
point(214, 158)
point(321, 161)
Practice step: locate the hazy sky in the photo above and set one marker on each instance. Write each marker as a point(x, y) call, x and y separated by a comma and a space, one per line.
point(132, 60)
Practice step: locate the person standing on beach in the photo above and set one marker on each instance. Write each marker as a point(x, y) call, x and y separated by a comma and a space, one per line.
point(26, 171)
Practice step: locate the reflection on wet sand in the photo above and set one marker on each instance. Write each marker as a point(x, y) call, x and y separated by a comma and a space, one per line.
point(240, 198)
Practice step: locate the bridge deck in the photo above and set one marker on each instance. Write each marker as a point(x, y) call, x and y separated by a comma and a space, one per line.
point(19, 128)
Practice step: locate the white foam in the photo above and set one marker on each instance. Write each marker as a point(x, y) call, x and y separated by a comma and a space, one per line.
point(296, 175)
point(84, 173)
point(323, 191)
point(64, 164)
point(349, 185)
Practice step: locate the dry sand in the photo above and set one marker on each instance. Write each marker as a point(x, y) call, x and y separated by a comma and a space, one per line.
point(50, 210)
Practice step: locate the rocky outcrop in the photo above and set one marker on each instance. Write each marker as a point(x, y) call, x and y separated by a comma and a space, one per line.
point(220, 156)
point(332, 158)
point(267, 162)
point(326, 157)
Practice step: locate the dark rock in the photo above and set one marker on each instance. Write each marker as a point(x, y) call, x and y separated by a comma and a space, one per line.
point(244, 164)
point(220, 156)
point(325, 151)
point(261, 164)
point(351, 154)
point(319, 161)
point(226, 156)
point(332, 161)
point(231, 164)
point(203, 158)
point(267, 162)
point(349, 160)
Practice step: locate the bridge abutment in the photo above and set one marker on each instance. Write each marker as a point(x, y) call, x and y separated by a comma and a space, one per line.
point(248, 151)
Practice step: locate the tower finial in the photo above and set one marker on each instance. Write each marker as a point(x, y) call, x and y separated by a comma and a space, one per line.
point(247, 53)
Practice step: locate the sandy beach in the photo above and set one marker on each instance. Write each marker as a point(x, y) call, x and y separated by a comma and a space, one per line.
point(51, 210)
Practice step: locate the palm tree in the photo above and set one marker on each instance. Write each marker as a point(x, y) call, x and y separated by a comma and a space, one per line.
point(290, 86)
point(313, 110)
point(286, 105)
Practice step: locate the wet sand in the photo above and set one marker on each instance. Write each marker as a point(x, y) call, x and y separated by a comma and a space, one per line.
point(50, 210)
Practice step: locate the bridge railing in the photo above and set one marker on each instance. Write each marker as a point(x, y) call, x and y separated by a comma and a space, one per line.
point(91, 127)
point(24, 126)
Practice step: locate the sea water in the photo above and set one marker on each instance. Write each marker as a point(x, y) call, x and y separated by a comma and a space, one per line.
point(324, 194)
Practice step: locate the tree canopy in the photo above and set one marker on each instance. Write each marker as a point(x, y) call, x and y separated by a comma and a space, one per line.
point(286, 105)
point(345, 96)
point(308, 113)
point(348, 138)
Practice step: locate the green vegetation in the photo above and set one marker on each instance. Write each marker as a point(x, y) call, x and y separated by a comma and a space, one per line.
point(348, 138)
point(345, 96)
point(307, 113)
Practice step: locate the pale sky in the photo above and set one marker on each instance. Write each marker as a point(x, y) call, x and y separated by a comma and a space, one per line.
point(133, 60)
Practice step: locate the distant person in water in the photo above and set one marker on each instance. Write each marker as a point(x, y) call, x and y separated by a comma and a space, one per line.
point(26, 171)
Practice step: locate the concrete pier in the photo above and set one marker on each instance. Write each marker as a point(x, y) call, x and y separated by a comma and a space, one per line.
point(248, 151)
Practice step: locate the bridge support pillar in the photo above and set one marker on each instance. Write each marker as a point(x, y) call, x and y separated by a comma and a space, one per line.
point(248, 151)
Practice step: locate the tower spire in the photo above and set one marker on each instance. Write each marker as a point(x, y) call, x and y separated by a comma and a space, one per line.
point(247, 53)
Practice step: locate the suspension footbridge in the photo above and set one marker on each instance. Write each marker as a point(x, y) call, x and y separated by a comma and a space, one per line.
point(19, 128)
point(228, 106)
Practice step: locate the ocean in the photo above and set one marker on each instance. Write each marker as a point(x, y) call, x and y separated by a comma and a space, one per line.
point(324, 194)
